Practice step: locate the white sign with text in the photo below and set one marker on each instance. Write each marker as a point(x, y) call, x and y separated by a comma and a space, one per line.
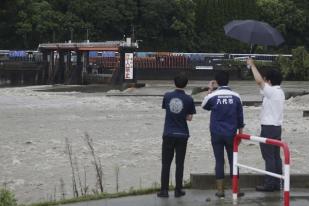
point(128, 67)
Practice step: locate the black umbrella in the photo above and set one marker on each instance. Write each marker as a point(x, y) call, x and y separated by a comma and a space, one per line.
point(253, 32)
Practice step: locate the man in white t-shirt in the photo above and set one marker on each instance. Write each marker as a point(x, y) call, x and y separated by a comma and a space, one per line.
point(271, 122)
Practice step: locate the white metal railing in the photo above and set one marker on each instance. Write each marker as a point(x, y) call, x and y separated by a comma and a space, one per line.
point(285, 176)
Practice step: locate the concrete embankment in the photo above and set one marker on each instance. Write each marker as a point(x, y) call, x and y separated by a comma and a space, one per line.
point(207, 181)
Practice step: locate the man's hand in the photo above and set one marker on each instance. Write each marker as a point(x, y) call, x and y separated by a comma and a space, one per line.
point(256, 74)
point(189, 117)
point(211, 85)
point(250, 63)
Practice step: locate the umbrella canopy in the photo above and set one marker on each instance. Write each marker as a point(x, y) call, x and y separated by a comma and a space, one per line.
point(253, 32)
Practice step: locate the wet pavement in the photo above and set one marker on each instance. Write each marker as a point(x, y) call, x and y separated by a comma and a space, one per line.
point(299, 197)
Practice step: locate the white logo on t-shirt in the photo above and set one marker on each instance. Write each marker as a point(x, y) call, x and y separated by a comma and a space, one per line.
point(176, 105)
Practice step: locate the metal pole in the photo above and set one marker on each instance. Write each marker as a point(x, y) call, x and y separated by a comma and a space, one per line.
point(71, 34)
point(87, 37)
point(54, 36)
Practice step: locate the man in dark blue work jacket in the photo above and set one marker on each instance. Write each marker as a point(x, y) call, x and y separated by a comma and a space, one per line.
point(179, 109)
point(226, 117)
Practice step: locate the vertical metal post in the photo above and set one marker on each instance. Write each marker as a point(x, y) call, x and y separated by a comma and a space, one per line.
point(36, 78)
point(85, 60)
point(235, 168)
point(51, 68)
point(22, 78)
point(45, 69)
point(79, 67)
point(60, 73)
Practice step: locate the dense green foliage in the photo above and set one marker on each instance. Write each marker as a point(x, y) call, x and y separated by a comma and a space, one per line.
point(175, 25)
point(7, 198)
point(297, 67)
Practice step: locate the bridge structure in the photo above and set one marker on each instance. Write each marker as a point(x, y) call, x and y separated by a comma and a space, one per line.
point(60, 66)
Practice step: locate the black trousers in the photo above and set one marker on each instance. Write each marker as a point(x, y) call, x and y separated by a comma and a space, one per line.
point(171, 145)
point(271, 155)
point(220, 142)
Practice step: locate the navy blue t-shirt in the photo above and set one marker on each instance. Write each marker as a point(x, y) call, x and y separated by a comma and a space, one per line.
point(177, 105)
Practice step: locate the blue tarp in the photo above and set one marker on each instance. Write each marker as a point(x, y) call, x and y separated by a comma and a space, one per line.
point(17, 54)
point(108, 54)
point(102, 54)
point(93, 54)
point(144, 54)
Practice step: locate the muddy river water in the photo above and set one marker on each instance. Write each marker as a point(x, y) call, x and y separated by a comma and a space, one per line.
point(126, 133)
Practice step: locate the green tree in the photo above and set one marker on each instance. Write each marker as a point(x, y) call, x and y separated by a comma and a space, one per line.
point(8, 19)
point(298, 67)
point(182, 26)
point(175, 25)
point(212, 15)
point(36, 21)
point(287, 18)
point(110, 19)
point(304, 5)
point(153, 24)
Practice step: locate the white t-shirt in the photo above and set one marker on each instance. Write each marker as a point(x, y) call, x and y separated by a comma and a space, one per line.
point(272, 107)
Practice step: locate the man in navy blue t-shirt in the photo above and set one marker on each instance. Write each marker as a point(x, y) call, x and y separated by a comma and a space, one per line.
point(179, 109)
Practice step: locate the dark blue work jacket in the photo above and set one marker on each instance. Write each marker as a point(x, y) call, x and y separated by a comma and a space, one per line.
point(226, 111)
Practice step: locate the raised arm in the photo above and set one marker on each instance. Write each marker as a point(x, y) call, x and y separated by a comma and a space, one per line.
point(257, 76)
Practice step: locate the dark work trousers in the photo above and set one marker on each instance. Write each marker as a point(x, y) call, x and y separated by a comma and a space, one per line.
point(271, 155)
point(220, 142)
point(169, 146)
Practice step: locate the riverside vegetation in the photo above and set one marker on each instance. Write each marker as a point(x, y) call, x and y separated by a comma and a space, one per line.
point(170, 26)
point(7, 198)
point(175, 25)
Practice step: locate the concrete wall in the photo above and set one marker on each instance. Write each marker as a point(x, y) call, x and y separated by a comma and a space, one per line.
point(20, 73)
point(207, 181)
point(168, 74)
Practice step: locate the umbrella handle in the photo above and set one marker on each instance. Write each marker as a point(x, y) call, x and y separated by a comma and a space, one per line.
point(251, 48)
point(250, 56)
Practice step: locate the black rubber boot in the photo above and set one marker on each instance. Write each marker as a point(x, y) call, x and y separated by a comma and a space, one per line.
point(163, 193)
point(179, 193)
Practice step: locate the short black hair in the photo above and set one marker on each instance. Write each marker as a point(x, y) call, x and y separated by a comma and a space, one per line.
point(274, 76)
point(222, 78)
point(181, 81)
